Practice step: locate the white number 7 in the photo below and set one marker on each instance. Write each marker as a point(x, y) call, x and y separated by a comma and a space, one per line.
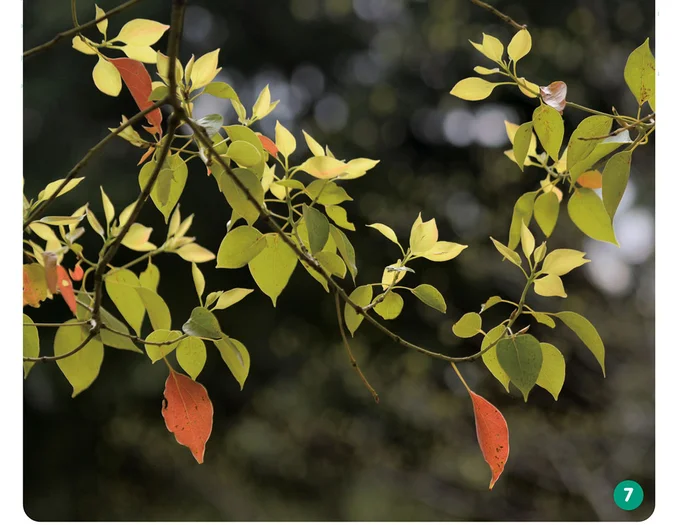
point(629, 491)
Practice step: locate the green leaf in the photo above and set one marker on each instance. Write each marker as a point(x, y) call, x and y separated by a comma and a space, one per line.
point(361, 296)
point(491, 359)
point(31, 344)
point(386, 231)
point(202, 323)
point(211, 123)
point(468, 326)
point(390, 307)
point(339, 216)
point(539, 253)
point(120, 286)
point(326, 192)
point(191, 356)
point(169, 184)
point(159, 313)
point(614, 180)
point(332, 263)
point(430, 296)
point(549, 128)
point(521, 358)
point(586, 332)
point(157, 352)
point(552, 372)
point(549, 286)
point(273, 267)
point(491, 301)
point(640, 74)
point(285, 141)
point(199, 280)
point(562, 261)
point(602, 149)
point(236, 356)
point(523, 211)
point(231, 297)
point(221, 90)
point(588, 213)
point(236, 198)
point(585, 139)
point(520, 146)
point(82, 368)
point(346, 250)
point(473, 88)
point(244, 154)
point(520, 45)
point(240, 246)
point(159, 93)
point(528, 241)
point(107, 338)
point(318, 228)
point(423, 237)
point(506, 252)
point(543, 319)
point(546, 212)
point(150, 277)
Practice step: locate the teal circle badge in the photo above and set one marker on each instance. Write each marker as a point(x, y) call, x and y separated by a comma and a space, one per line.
point(628, 495)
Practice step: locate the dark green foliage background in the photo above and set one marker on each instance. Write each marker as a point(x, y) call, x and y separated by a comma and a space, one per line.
point(304, 440)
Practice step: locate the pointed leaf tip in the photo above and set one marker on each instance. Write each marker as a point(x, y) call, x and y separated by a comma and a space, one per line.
point(492, 435)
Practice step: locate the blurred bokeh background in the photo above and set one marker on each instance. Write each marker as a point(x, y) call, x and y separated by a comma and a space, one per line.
point(304, 439)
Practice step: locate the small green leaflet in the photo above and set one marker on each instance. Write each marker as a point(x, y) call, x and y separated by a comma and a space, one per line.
point(236, 356)
point(521, 358)
point(82, 368)
point(552, 372)
point(588, 213)
point(468, 326)
point(157, 352)
point(273, 267)
point(203, 324)
point(361, 296)
point(390, 307)
point(191, 356)
point(318, 228)
point(614, 181)
point(429, 295)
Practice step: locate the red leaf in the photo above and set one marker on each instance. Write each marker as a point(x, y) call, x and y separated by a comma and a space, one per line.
point(269, 145)
point(66, 288)
point(50, 260)
point(77, 272)
point(138, 81)
point(492, 435)
point(188, 412)
point(555, 95)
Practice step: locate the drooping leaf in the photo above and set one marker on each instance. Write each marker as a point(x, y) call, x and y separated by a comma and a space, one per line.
point(50, 262)
point(528, 241)
point(429, 295)
point(603, 148)
point(318, 228)
point(490, 358)
point(193, 252)
point(121, 288)
point(269, 145)
point(640, 72)
point(586, 332)
point(221, 90)
point(543, 318)
point(521, 358)
point(522, 212)
point(231, 297)
point(169, 185)
point(273, 267)
point(188, 413)
point(390, 307)
point(346, 250)
point(236, 198)
point(138, 82)
point(552, 372)
point(339, 217)
point(240, 246)
point(155, 351)
point(202, 323)
point(159, 313)
point(361, 296)
point(549, 128)
point(588, 213)
point(332, 263)
point(106, 77)
point(549, 286)
point(615, 180)
point(236, 356)
point(468, 326)
point(492, 435)
point(587, 135)
point(191, 356)
point(150, 277)
point(473, 88)
point(386, 231)
point(81, 368)
point(546, 212)
point(520, 146)
point(31, 341)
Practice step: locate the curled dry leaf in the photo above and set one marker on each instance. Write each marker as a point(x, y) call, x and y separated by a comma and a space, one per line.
point(555, 95)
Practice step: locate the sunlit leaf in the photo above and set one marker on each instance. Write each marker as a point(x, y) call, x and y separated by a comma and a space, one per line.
point(562, 261)
point(588, 213)
point(285, 141)
point(273, 266)
point(640, 72)
point(444, 251)
point(390, 307)
point(587, 135)
point(236, 356)
point(468, 326)
point(339, 216)
point(549, 128)
point(106, 77)
point(615, 180)
point(429, 295)
point(521, 213)
point(491, 359)
point(473, 88)
point(231, 297)
point(586, 332)
point(159, 313)
point(204, 70)
point(318, 228)
point(549, 286)
point(240, 246)
point(193, 252)
point(121, 288)
point(361, 296)
point(520, 45)
point(81, 368)
point(546, 212)
point(141, 32)
point(191, 356)
point(31, 341)
point(552, 372)
point(156, 352)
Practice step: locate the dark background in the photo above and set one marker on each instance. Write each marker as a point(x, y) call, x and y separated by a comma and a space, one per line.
point(304, 440)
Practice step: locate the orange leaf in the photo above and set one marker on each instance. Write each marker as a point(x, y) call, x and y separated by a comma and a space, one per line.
point(77, 272)
point(188, 412)
point(590, 179)
point(50, 260)
point(146, 155)
point(555, 95)
point(492, 435)
point(269, 145)
point(138, 81)
point(35, 287)
point(66, 288)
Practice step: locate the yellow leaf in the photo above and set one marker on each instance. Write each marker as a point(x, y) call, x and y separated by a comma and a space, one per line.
point(104, 24)
point(490, 47)
point(261, 106)
point(520, 45)
point(141, 53)
point(285, 141)
point(79, 44)
point(444, 251)
point(358, 167)
point(549, 286)
point(392, 276)
point(528, 241)
point(529, 89)
point(194, 253)
point(423, 237)
point(137, 238)
point(106, 77)
point(562, 261)
point(204, 70)
point(323, 167)
point(313, 145)
point(163, 67)
point(141, 32)
point(473, 88)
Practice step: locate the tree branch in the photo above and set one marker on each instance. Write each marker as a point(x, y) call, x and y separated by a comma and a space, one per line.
point(500, 15)
point(77, 29)
point(349, 350)
point(81, 164)
point(77, 349)
point(141, 341)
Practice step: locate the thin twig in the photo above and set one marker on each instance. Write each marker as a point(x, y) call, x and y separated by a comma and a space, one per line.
point(77, 349)
point(77, 29)
point(500, 15)
point(349, 351)
point(81, 164)
point(56, 325)
point(142, 341)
